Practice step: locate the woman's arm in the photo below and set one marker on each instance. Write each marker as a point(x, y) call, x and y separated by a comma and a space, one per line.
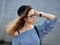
point(48, 24)
point(45, 15)
point(15, 41)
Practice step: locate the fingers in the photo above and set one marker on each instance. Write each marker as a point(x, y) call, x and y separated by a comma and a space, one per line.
point(36, 12)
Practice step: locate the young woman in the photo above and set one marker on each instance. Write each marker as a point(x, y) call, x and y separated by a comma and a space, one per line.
point(22, 28)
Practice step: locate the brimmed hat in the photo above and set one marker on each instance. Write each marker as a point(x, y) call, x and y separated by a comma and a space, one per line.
point(22, 9)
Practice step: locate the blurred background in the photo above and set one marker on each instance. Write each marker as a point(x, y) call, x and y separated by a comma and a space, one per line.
point(8, 12)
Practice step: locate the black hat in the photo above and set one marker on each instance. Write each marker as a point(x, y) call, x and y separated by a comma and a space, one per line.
point(21, 9)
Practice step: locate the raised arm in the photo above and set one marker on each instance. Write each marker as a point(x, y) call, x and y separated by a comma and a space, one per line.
point(48, 24)
point(45, 15)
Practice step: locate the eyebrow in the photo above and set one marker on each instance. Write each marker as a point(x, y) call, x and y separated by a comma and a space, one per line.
point(31, 14)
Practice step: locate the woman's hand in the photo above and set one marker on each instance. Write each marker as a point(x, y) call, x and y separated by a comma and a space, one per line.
point(37, 13)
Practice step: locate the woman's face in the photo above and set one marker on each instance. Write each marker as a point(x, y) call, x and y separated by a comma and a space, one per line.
point(31, 17)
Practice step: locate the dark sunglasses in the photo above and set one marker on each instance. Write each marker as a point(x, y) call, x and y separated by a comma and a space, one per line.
point(32, 16)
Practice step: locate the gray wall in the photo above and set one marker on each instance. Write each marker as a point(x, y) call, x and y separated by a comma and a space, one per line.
point(8, 10)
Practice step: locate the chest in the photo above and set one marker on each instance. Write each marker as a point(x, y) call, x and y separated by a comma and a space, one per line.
point(29, 37)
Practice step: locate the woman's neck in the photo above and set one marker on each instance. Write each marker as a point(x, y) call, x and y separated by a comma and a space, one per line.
point(27, 25)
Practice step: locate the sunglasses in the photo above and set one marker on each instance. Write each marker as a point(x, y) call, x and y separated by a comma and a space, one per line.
point(32, 16)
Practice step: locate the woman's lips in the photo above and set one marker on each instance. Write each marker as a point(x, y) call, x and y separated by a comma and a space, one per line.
point(33, 20)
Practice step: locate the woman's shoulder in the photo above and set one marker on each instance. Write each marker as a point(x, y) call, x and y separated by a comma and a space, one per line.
point(16, 33)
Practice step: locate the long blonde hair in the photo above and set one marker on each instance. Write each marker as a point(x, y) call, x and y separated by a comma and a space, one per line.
point(17, 23)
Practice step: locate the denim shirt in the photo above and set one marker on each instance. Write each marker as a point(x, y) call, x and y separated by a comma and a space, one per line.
point(30, 37)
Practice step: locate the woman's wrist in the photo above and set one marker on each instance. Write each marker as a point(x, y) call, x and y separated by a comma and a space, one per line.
point(40, 14)
point(46, 15)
